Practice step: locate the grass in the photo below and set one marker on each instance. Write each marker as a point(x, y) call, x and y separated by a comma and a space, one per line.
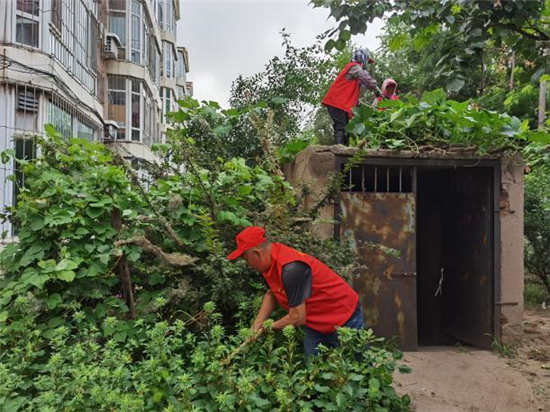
point(534, 292)
point(503, 349)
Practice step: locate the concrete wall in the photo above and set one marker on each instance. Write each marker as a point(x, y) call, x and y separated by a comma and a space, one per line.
point(314, 167)
point(311, 173)
point(511, 249)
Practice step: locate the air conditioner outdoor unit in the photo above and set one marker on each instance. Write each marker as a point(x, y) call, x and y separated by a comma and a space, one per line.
point(112, 44)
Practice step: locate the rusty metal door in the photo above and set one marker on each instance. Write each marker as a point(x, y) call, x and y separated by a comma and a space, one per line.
point(381, 227)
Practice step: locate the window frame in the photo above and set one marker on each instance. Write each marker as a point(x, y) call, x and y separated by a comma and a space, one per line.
point(33, 18)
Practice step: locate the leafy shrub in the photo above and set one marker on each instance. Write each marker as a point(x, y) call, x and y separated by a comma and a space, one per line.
point(434, 120)
point(171, 367)
point(537, 224)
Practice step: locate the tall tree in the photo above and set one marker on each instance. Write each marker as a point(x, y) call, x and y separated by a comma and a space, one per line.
point(469, 27)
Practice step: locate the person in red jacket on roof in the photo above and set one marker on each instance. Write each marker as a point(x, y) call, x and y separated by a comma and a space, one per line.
point(389, 87)
point(344, 93)
point(314, 295)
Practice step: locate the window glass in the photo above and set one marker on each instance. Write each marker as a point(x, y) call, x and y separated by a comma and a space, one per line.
point(26, 31)
point(29, 6)
point(117, 25)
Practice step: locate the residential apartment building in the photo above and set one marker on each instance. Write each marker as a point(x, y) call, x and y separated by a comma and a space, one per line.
point(103, 70)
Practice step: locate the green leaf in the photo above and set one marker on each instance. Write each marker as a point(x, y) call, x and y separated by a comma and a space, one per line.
point(344, 35)
point(55, 322)
point(321, 388)
point(454, 85)
point(538, 136)
point(49, 333)
point(100, 310)
point(54, 300)
point(434, 97)
point(355, 377)
point(223, 130)
point(65, 264)
point(35, 252)
point(133, 256)
point(341, 401)
point(94, 212)
point(396, 115)
point(340, 45)
point(6, 297)
point(36, 280)
point(156, 279)
point(37, 224)
point(329, 45)
point(81, 231)
point(14, 404)
point(3, 316)
point(374, 383)
point(66, 275)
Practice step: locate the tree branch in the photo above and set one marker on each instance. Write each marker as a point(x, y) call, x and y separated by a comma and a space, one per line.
point(171, 259)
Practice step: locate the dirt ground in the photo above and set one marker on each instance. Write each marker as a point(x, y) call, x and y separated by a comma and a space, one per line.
point(453, 379)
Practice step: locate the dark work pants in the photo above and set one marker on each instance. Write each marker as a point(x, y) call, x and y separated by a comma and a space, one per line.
point(340, 119)
point(314, 338)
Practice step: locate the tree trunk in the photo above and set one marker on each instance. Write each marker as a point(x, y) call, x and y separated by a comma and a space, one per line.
point(123, 269)
point(542, 104)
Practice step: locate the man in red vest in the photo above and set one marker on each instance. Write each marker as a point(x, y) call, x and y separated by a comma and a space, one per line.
point(314, 295)
point(344, 93)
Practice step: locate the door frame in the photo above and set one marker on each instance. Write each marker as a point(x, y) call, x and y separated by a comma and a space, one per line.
point(416, 163)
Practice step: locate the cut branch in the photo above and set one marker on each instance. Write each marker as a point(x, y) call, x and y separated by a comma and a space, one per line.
point(135, 179)
point(170, 259)
point(123, 269)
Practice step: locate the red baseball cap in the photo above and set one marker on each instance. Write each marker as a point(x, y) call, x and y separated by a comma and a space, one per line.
point(247, 239)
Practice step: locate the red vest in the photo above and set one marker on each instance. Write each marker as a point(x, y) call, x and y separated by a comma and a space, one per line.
point(332, 300)
point(344, 93)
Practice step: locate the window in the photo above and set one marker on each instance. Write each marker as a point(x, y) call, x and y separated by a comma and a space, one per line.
point(27, 26)
point(157, 66)
point(166, 95)
point(370, 178)
point(61, 119)
point(117, 4)
point(26, 31)
point(168, 59)
point(84, 131)
point(117, 104)
point(117, 25)
point(25, 149)
point(181, 92)
point(166, 16)
point(136, 110)
point(57, 12)
point(136, 31)
point(145, 43)
point(29, 6)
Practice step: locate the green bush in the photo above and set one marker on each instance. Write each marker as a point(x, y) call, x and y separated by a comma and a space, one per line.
point(434, 120)
point(180, 366)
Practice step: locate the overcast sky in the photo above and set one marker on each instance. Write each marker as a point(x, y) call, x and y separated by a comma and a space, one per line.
point(226, 38)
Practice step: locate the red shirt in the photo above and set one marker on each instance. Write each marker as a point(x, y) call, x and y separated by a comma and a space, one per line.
point(332, 300)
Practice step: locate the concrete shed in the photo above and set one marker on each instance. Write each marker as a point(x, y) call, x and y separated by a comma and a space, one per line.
point(439, 235)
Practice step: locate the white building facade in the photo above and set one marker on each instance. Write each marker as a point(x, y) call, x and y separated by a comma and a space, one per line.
point(103, 70)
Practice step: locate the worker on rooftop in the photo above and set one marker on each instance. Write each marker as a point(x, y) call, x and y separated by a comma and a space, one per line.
point(344, 93)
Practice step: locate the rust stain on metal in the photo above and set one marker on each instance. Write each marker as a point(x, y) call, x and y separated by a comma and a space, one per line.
point(372, 223)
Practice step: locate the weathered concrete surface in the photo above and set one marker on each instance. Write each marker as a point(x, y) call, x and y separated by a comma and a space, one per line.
point(511, 249)
point(451, 380)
